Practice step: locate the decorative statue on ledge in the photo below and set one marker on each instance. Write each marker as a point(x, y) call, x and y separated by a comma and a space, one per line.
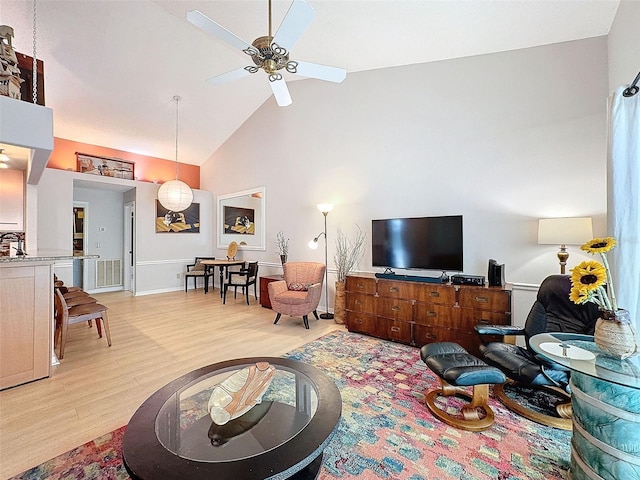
point(9, 71)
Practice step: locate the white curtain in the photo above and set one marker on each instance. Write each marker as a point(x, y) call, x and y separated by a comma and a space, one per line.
point(624, 200)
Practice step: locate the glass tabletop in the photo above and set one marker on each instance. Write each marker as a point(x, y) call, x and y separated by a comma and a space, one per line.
point(184, 427)
point(581, 354)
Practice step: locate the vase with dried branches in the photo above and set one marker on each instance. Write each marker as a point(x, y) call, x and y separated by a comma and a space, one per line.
point(347, 255)
point(283, 247)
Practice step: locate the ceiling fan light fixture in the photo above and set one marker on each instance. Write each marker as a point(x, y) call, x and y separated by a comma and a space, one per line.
point(270, 53)
point(270, 66)
point(175, 195)
point(268, 56)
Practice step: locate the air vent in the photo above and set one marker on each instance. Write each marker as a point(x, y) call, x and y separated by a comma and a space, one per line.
point(109, 273)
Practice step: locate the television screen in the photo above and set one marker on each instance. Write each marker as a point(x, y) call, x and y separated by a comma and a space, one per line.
point(425, 243)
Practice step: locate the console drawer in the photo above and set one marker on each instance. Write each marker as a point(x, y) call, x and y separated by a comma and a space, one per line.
point(394, 309)
point(396, 330)
point(423, 335)
point(360, 285)
point(472, 317)
point(395, 289)
point(362, 322)
point(485, 299)
point(432, 315)
point(429, 293)
point(360, 303)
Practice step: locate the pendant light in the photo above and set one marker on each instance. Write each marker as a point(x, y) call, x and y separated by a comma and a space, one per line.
point(175, 195)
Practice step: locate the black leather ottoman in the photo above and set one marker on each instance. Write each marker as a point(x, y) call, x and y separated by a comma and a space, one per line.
point(457, 370)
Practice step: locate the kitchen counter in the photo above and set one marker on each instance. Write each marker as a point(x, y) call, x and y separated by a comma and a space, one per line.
point(26, 315)
point(44, 256)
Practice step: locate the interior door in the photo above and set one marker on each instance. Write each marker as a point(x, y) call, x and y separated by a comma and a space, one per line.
point(129, 246)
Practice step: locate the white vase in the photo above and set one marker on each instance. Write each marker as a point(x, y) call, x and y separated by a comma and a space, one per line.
point(615, 334)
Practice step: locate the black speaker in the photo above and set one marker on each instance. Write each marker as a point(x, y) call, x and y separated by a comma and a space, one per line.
point(495, 274)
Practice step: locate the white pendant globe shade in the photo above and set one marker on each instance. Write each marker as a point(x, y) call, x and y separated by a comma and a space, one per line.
point(175, 195)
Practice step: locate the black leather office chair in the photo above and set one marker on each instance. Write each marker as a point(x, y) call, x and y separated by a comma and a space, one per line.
point(551, 312)
point(243, 278)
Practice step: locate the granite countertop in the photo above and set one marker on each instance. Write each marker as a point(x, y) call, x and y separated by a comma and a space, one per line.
point(44, 256)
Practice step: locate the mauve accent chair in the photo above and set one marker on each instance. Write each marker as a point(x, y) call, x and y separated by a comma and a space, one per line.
point(299, 293)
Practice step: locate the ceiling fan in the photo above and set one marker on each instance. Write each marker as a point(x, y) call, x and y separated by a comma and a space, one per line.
point(271, 53)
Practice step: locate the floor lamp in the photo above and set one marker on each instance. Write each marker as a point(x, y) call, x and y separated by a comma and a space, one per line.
point(325, 208)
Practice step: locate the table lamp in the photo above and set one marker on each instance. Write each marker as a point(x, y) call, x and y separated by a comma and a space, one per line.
point(563, 232)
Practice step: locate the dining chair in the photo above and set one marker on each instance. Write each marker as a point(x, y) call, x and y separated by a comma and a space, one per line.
point(74, 296)
point(243, 278)
point(65, 316)
point(198, 270)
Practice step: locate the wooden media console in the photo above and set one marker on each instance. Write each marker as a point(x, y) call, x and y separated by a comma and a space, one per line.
point(417, 313)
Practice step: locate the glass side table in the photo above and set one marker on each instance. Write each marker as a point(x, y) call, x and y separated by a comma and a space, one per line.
point(605, 399)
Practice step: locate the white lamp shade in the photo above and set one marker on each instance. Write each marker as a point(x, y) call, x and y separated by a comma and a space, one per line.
point(325, 207)
point(175, 195)
point(564, 231)
point(313, 244)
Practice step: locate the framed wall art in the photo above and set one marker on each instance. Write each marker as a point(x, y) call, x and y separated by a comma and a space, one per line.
point(107, 167)
point(241, 219)
point(187, 221)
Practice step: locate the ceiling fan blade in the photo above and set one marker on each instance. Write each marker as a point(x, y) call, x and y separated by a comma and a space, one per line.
point(281, 92)
point(295, 22)
point(223, 78)
point(200, 20)
point(321, 72)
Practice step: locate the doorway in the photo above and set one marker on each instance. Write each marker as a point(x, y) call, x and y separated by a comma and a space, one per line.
point(80, 241)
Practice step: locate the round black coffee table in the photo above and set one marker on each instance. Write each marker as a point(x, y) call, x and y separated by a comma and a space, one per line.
point(172, 436)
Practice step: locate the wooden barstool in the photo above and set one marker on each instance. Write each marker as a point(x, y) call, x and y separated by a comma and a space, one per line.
point(66, 315)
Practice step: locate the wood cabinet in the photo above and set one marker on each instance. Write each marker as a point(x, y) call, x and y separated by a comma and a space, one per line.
point(417, 313)
point(26, 293)
point(12, 200)
point(264, 290)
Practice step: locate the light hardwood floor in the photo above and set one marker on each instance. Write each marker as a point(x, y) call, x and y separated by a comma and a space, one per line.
point(156, 338)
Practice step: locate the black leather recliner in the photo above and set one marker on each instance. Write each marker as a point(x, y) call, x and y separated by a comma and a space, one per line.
point(551, 312)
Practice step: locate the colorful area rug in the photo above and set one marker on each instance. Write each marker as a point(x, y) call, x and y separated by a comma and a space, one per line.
point(385, 432)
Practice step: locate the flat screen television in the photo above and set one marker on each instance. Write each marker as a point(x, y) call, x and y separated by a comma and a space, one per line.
point(423, 243)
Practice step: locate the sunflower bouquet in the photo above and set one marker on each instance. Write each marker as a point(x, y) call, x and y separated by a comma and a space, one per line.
point(591, 281)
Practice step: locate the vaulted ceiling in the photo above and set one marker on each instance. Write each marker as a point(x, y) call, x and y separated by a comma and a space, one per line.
point(113, 67)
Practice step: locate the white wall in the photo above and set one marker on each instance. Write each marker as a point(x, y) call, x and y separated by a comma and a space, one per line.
point(503, 139)
point(160, 258)
point(623, 41)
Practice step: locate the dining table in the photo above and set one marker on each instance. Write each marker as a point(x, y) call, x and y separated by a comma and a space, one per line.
point(223, 266)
